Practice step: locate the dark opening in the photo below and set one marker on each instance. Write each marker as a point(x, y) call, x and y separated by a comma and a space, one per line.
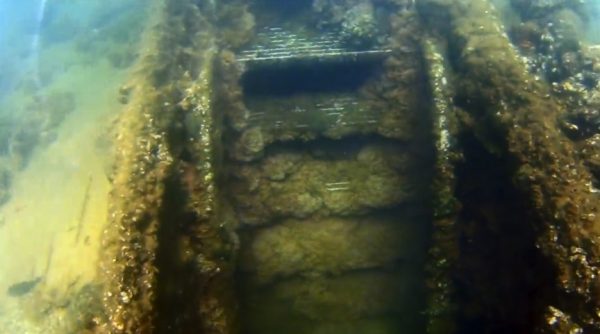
point(176, 280)
point(307, 78)
point(504, 280)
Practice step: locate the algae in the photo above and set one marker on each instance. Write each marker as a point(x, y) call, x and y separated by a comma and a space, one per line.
point(507, 101)
point(330, 246)
point(445, 246)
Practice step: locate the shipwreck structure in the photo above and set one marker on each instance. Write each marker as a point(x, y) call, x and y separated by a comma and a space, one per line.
point(357, 166)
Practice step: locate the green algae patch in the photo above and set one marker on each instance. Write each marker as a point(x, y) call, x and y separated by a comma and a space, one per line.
point(164, 212)
point(444, 251)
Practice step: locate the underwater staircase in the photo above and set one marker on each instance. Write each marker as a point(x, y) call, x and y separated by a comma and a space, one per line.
point(330, 203)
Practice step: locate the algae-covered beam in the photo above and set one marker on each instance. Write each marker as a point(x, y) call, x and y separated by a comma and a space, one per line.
point(141, 163)
point(444, 252)
point(518, 116)
point(162, 247)
point(211, 239)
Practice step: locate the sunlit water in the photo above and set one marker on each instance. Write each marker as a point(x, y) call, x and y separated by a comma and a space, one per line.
point(59, 93)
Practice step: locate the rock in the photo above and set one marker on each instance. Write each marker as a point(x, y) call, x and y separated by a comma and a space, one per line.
point(250, 144)
point(359, 28)
point(280, 166)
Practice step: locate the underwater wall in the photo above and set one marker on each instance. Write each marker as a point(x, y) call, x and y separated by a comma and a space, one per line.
point(430, 170)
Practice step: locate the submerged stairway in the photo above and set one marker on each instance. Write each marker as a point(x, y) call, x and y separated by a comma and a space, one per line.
point(328, 176)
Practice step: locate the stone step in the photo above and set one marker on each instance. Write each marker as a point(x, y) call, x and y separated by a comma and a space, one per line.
point(362, 302)
point(298, 185)
point(310, 117)
point(331, 246)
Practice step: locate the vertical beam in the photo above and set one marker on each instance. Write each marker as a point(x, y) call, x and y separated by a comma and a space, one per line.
point(444, 251)
point(519, 115)
point(166, 268)
point(141, 163)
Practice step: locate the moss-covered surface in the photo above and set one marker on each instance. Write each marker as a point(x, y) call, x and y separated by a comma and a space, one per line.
point(519, 119)
point(328, 184)
point(324, 246)
point(79, 311)
point(298, 185)
point(164, 201)
point(308, 117)
point(141, 166)
point(333, 100)
point(331, 246)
